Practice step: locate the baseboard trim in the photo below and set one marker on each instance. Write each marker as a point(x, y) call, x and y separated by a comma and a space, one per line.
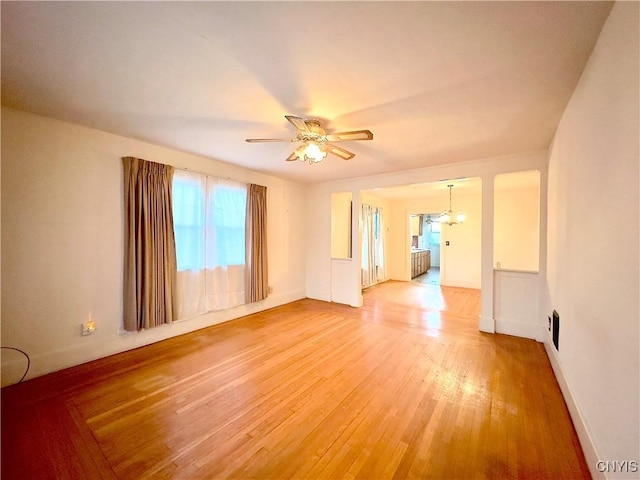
point(518, 329)
point(105, 343)
point(586, 442)
point(487, 325)
point(460, 284)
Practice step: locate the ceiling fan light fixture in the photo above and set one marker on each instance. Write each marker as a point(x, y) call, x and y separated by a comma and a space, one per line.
point(314, 152)
point(315, 142)
point(310, 151)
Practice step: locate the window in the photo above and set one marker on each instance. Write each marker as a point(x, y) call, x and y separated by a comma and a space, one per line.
point(213, 230)
point(226, 236)
point(188, 221)
point(434, 233)
point(373, 264)
point(209, 226)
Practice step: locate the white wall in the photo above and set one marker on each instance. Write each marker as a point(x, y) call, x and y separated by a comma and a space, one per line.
point(397, 247)
point(516, 227)
point(62, 242)
point(318, 236)
point(516, 309)
point(460, 260)
point(346, 280)
point(341, 210)
point(593, 242)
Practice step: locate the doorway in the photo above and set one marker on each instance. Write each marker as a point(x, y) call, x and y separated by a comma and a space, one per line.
point(425, 248)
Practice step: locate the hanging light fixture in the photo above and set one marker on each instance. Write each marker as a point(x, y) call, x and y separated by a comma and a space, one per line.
point(448, 217)
point(311, 151)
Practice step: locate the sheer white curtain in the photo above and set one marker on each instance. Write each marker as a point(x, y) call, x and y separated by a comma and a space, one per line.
point(380, 261)
point(373, 259)
point(367, 246)
point(209, 224)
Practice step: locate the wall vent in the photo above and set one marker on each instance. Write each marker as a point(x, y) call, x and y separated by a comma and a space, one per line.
point(556, 328)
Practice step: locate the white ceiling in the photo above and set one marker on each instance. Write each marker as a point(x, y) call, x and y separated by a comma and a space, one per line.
point(436, 82)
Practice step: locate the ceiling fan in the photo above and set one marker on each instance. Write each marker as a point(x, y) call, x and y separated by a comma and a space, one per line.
point(315, 141)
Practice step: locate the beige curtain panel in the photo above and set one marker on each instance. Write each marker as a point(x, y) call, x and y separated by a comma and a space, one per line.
point(256, 283)
point(149, 247)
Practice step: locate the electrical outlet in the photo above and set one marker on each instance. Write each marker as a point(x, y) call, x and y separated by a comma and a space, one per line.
point(88, 327)
point(269, 289)
point(549, 323)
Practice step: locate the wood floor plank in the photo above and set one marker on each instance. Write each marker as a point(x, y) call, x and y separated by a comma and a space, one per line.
point(404, 387)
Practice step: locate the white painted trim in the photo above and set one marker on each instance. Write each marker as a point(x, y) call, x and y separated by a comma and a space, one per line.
point(586, 441)
point(360, 302)
point(43, 363)
point(515, 311)
point(461, 284)
point(13, 369)
point(518, 329)
point(487, 325)
point(487, 314)
point(534, 160)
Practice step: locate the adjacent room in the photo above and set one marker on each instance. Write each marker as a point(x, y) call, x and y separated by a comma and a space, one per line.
point(404, 244)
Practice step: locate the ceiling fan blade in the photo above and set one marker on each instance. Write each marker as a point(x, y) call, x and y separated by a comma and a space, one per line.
point(355, 135)
point(260, 140)
point(292, 157)
point(340, 152)
point(297, 122)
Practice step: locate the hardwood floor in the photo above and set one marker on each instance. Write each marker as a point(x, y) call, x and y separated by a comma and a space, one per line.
point(404, 387)
point(432, 276)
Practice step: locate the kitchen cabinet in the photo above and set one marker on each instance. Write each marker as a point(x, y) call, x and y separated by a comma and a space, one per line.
point(416, 225)
point(420, 262)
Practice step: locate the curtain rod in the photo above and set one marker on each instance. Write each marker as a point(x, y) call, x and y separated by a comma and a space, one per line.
point(202, 173)
point(194, 171)
point(209, 175)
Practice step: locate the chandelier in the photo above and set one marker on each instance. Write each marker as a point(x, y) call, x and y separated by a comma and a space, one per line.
point(447, 215)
